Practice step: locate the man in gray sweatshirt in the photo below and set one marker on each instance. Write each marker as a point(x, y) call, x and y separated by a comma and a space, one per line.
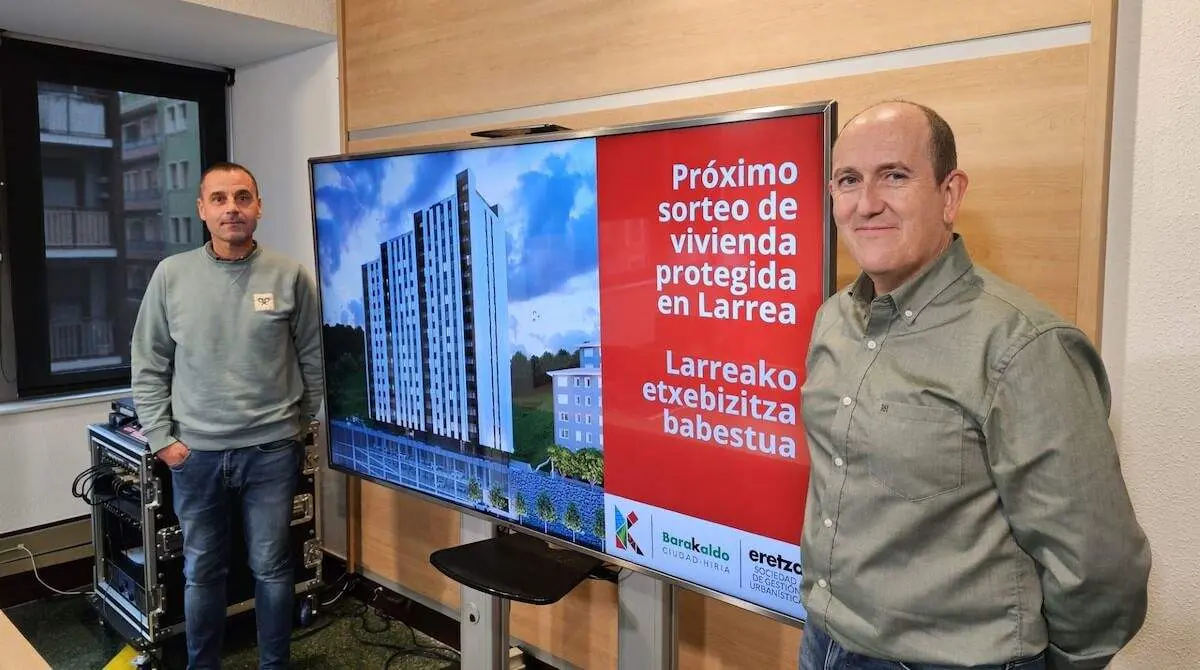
point(227, 371)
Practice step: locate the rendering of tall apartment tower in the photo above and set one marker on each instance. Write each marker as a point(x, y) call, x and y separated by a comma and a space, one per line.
point(436, 319)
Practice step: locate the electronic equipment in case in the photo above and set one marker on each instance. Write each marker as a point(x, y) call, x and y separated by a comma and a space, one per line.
point(138, 544)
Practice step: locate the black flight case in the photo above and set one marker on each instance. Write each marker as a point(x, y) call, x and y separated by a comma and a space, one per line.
point(138, 545)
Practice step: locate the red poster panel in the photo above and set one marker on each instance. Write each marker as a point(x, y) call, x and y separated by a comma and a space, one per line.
point(711, 250)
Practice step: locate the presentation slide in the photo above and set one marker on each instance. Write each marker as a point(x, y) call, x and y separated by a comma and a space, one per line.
point(598, 338)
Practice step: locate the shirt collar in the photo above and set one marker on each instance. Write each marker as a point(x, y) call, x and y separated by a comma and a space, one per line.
point(208, 249)
point(914, 295)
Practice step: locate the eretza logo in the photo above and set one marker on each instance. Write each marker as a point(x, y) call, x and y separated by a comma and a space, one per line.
point(623, 537)
point(776, 561)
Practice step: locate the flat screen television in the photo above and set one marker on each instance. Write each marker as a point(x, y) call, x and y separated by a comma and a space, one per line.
point(595, 337)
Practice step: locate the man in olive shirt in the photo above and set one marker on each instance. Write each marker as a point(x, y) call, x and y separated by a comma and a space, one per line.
point(966, 506)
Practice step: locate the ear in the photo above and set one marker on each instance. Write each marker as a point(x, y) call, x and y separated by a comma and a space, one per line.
point(954, 189)
point(200, 208)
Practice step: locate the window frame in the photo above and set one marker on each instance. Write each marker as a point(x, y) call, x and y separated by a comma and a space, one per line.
point(23, 65)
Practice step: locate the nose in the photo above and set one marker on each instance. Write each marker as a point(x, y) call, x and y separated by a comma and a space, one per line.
point(869, 202)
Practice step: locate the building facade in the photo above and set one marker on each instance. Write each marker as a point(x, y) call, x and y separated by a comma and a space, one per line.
point(436, 312)
point(81, 213)
point(578, 419)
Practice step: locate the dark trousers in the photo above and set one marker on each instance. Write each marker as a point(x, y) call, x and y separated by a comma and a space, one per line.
point(258, 483)
point(819, 651)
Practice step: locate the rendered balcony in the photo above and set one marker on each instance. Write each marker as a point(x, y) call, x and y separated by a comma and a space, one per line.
point(78, 233)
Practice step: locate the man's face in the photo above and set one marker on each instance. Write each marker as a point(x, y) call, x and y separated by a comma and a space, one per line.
point(890, 211)
point(229, 206)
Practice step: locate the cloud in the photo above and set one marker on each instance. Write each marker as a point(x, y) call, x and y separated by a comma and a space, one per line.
point(562, 319)
point(545, 191)
point(355, 307)
point(558, 238)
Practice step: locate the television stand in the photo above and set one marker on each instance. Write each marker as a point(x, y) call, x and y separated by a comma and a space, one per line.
point(516, 566)
point(494, 568)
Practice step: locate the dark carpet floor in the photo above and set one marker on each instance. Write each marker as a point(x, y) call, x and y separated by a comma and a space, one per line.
point(67, 632)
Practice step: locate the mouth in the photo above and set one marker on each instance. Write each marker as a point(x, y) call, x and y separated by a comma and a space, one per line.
point(871, 231)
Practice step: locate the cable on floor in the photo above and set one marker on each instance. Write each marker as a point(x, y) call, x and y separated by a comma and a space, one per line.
point(37, 576)
point(408, 645)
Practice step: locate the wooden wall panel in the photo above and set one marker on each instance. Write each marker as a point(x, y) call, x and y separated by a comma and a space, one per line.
point(416, 60)
point(1019, 122)
point(581, 628)
point(399, 532)
point(718, 636)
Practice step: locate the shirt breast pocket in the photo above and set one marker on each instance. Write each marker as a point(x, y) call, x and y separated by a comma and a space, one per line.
point(916, 451)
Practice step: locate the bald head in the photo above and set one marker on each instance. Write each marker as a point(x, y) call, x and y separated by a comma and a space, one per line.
point(896, 190)
point(915, 118)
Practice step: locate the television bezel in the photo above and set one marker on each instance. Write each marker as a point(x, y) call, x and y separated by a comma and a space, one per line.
point(827, 109)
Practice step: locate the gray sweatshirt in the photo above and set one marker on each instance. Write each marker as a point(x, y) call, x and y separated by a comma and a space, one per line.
point(226, 354)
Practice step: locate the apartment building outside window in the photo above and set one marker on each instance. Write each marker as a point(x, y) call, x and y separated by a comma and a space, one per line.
point(106, 151)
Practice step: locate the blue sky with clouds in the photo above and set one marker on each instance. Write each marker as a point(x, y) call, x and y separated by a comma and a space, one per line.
point(547, 197)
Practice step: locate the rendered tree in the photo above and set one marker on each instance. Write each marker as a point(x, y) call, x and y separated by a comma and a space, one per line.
point(520, 507)
point(546, 511)
point(497, 498)
point(572, 519)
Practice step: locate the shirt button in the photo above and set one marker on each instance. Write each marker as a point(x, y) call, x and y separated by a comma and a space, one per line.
point(908, 313)
point(822, 583)
point(871, 344)
point(846, 401)
point(838, 461)
point(829, 523)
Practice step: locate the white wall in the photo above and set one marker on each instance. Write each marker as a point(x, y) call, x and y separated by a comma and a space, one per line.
point(1152, 323)
point(40, 454)
point(286, 111)
point(319, 15)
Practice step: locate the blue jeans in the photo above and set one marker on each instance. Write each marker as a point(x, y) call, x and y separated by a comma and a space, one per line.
point(818, 651)
point(259, 483)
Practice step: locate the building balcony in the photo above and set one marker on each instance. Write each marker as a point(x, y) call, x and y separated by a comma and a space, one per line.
point(137, 102)
point(143, 199)
point(154, 249)
point(73, 118)
point(139, 149)
point(78, 233)
point(82, 344)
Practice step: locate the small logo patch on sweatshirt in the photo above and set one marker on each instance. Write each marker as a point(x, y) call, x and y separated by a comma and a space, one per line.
point(264, 302)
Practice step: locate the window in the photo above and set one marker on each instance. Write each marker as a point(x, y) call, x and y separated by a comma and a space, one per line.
point(107, 152)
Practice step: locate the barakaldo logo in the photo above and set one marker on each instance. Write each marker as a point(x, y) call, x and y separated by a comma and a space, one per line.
point(693, 545)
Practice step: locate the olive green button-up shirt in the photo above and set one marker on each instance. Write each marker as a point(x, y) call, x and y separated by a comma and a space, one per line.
point(966, 504)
